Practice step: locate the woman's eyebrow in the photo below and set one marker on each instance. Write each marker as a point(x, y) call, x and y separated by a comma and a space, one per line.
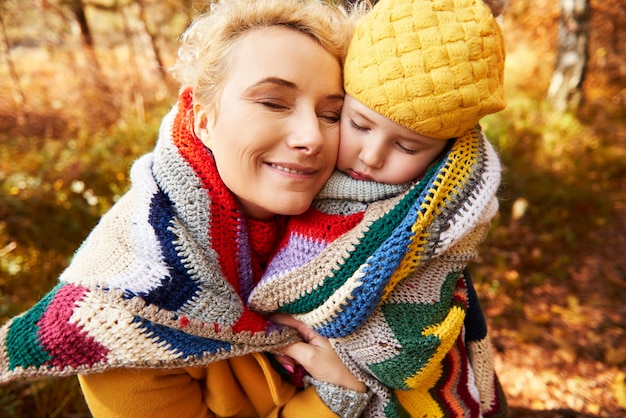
point(291, 85)
point(336, 97)
point(275, 80)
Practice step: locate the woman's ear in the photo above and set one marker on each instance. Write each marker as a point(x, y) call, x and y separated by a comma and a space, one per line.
point(201, 124)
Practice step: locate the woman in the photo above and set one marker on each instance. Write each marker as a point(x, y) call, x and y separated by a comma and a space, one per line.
point(153, 300)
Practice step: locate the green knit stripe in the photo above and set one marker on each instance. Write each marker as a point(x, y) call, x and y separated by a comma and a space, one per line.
point(379, 231)
point(393, 408)
point(407, 321)
point(22, 341)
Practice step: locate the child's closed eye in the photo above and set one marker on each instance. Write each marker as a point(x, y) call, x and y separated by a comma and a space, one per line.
point(356, 126)
point(406, 150)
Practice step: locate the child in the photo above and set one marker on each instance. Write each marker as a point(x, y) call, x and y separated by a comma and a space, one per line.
point(377, 264)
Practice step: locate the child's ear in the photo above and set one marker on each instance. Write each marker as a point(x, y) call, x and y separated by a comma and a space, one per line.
point(201, 125)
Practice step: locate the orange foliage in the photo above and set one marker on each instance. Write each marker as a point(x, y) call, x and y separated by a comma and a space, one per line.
point(535, 24)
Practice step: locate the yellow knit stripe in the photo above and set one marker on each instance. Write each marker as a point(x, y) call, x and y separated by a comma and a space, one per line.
point(452, 177)
point(418, 402)
point(447, 331)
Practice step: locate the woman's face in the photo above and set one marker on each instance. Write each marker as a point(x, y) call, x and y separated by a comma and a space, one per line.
point(276, 134)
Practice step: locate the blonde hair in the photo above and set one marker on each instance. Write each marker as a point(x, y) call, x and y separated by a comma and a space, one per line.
point(207, 45)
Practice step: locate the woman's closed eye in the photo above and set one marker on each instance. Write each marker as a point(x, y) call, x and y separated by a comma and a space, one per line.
point(274, 104)
point(330, 117)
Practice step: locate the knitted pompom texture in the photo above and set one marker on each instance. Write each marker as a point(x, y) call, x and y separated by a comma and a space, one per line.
point(433, 66)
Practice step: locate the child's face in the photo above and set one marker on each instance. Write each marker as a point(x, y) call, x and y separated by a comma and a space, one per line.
point(373, 147)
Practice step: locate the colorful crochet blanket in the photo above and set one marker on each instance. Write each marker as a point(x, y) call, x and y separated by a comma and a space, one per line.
point(160, 282)
point(165, 280)
point(382, 277)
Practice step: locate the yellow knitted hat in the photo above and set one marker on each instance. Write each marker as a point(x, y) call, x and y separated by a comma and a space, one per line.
point(433, 66)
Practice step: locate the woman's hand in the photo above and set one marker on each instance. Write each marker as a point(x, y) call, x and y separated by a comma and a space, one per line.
point(316, 355)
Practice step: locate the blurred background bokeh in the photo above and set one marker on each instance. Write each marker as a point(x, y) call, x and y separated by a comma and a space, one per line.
point(84, 84)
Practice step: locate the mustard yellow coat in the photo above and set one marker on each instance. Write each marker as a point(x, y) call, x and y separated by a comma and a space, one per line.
point(245, 386)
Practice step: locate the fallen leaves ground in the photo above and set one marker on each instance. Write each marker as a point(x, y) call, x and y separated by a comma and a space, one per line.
point(560, 342)
point(563, 353)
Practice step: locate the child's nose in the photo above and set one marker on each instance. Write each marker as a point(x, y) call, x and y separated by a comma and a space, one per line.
point(372, 156)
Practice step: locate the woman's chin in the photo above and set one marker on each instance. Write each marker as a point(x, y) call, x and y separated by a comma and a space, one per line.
point(285, 207)
point(294, 207)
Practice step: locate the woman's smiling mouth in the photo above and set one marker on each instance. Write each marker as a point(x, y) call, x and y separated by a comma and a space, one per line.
point(301, 171)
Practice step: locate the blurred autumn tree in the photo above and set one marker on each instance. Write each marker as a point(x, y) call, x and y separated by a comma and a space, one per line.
point(536, 23)
point(565, 91)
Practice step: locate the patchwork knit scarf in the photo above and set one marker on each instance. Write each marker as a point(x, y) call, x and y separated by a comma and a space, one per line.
point(160, 282)
point(382, 277)
point(165, 278)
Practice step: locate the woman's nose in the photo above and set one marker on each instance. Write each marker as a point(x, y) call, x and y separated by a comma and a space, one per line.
point(307, 135)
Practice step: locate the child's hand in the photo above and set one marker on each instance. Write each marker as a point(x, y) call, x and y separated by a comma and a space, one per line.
point(316, 355)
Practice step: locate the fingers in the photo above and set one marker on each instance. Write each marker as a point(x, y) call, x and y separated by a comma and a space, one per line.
point(316, 355)
point(287, 362)
point(323, 363)
point(306, 333)
point(289, 320)
point(301, 352)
